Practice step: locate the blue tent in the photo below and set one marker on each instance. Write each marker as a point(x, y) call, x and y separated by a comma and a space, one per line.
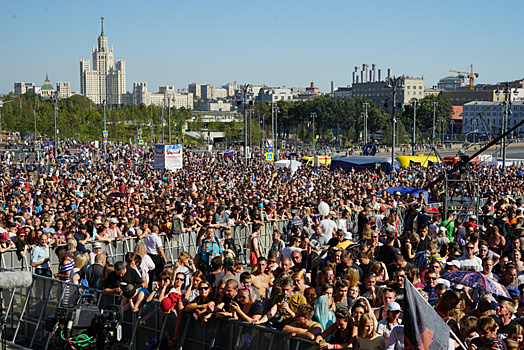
point(403, 190)
point(360, 163)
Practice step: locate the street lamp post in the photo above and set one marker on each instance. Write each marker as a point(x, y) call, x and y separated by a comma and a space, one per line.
point(313, 115)
point(152, 125)
point(163, 104)
point(56, 129)
point(434, 104)
point(365, 105)
point(169, 119)
point(244, 91)
point(414, 101)
point(105, 128)
point(394, 83)
point(506, 112)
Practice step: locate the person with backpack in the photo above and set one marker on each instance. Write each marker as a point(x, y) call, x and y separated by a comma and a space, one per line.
point(208, 248)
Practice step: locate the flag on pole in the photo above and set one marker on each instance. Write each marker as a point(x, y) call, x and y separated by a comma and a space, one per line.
point(228, 154)
point(423, 327)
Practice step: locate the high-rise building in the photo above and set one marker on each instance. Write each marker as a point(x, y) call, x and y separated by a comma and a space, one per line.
point(195, 89)
point(107, 80)
point(63, 88)
point(208, 91)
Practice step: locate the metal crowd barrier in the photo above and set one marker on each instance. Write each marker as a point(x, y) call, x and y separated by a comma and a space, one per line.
point(230, 334)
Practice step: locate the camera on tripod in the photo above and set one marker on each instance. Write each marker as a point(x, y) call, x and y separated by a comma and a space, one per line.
point(84, 325)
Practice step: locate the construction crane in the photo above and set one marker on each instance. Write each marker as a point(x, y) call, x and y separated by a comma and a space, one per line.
point(471, 76)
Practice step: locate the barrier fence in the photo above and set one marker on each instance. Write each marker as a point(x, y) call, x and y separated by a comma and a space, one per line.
point(26, 309)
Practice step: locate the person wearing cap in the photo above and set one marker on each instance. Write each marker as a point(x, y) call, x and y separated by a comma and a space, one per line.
point(296, 221)
point(453, 265)
point(5, 243)
point(221, 219)
point(97, 249)
point(385, 326)
point(472, 222)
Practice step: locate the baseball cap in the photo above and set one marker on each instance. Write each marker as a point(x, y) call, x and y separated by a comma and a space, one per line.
point(294, 211)
point(97, 245)
point(455, 263)
point(393, 306)
point(515, 294)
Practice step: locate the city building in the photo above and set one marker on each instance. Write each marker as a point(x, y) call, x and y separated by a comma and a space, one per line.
point(214, 106)
point(207, 91)
point(220, 93)
point(47, 90)
point(267, 94)
point(106, 81)
point(63, 88)
point(342, 93)
point(230, 89)
point(166, 96)
point(379, 93)
point(195, 89)
point(453, 83)
point(461, 97)
point(492, 113)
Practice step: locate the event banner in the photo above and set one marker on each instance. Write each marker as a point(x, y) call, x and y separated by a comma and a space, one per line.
point(168, 157)
point(159, 159)
point(173, 157)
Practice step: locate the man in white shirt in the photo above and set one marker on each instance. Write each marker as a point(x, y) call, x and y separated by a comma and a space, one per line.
point(470, 262)
point(386, 325)
point(156, 252)
point(328, 226)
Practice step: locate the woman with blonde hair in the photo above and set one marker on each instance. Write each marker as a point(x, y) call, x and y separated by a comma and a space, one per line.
point(352, 276)
point(368, 339)
point(249, 311)
point(71, 248)
point(147, 263)
point(74, 276)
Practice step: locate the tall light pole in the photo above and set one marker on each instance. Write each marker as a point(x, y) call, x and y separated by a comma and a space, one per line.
point(394, 83)
point(1, 107)
point(163, 104)
point(152, 125)
point(169, 118)
point(434, 104)
point(313, 115)
point(276, 129)
point(506, 112)
point(366, 105)
point(415, 102)
point(56, 129)
point(244, 92)
point(105, 129)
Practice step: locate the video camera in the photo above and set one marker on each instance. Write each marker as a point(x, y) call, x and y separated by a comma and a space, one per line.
point(85, 325)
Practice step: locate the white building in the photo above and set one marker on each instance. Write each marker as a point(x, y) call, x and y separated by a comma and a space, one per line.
point(214, 106)
point(63, 88)
point(107, 80)
point(167, 96)
point(274, 94)
point(492, 113)
point(207, 91)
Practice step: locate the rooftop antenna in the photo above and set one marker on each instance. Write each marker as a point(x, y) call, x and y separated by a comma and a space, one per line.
point(102, 19)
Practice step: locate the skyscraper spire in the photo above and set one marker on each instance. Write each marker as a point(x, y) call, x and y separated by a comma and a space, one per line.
point(102, 19)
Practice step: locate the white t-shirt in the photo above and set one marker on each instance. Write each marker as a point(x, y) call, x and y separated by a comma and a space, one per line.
point(467, 264)
point(152, 243)
point(382, 327)
point(328, 226)
point(147, 265)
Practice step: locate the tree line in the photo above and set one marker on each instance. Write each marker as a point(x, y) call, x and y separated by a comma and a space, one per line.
point(79, 118)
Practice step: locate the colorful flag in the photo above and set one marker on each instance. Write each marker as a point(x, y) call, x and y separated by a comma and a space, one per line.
point(423, 327)
point(228, 154)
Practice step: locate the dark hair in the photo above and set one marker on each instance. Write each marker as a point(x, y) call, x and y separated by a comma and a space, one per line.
point(244, 276)
point(341, 284)
point(120, 266)
point(61, 253)
point(216, 263)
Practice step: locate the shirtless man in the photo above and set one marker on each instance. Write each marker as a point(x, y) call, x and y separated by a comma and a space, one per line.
point(260, 279)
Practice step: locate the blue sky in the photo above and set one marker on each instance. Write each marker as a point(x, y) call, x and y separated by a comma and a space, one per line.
point(277, 43)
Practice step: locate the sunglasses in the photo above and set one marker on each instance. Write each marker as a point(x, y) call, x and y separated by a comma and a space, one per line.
point(329, 275)
point(371, 274)
point(180, 279)
point(203, 288)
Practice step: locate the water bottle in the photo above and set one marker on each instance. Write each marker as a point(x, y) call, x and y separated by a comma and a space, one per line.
point(283, 311)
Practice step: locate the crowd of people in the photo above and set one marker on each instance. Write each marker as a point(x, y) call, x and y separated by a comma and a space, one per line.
point(313, 282)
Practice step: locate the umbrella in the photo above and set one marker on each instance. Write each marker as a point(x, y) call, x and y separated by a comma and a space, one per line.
point(117, 194)
point(478, 281)
point(19, 179)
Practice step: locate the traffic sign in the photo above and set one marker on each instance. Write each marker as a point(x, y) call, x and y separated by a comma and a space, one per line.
point(105, 133)
point(141, 142)
point(269, 142)
point(318, 136)
point(369, 149)
point(270, 149)
point(269, 156)
point(139, 131)
point(183, 131)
